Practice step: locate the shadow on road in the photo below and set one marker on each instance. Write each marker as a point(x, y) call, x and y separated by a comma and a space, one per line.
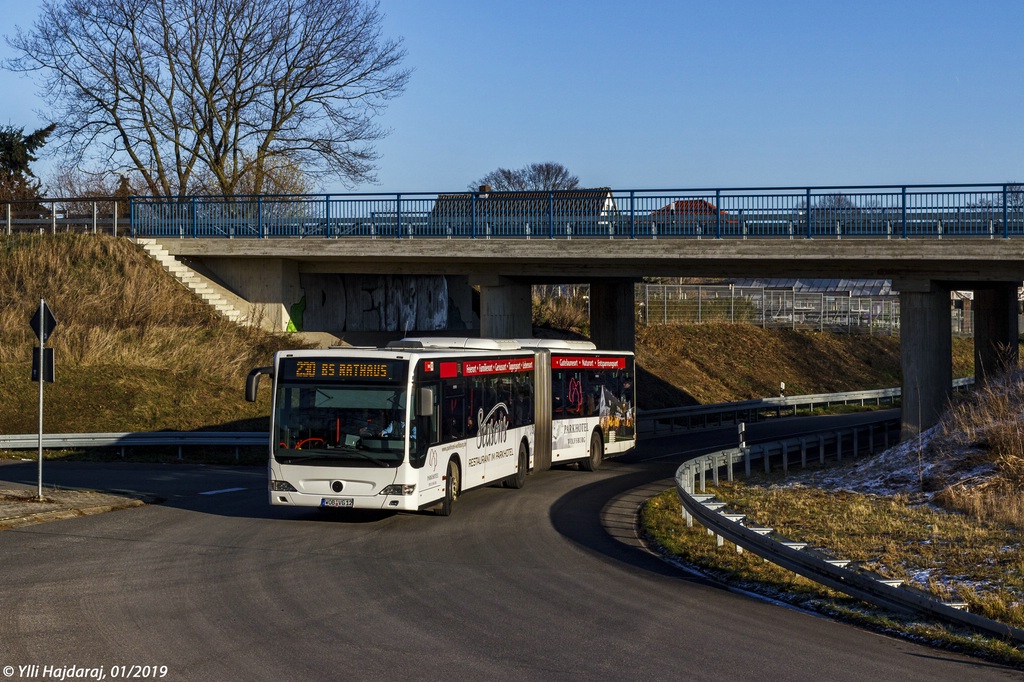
point(582, 516)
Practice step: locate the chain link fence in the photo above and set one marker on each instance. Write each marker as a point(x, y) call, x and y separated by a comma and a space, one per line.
point(769, 308)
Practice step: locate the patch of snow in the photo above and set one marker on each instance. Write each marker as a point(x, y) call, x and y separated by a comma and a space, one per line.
point(921, 577)
point(914, 468)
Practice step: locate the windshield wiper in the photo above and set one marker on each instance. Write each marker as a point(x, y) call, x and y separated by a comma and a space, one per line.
point(343, 453)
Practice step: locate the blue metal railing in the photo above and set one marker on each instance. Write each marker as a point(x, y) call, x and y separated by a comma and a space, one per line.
point(888, 212)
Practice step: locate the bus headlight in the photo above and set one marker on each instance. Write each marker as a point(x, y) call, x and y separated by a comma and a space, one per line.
point(398, 489)
point(282, 487)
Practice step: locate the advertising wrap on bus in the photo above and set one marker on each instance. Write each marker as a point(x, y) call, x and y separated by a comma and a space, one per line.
point(593, 399)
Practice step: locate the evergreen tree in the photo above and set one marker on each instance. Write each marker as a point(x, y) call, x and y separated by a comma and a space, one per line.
point(17, 152)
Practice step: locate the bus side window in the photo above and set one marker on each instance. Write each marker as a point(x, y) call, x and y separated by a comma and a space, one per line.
point(523, 410)
point(453, 411)
point(504, 393)
point(453, 427)
point(475, 407)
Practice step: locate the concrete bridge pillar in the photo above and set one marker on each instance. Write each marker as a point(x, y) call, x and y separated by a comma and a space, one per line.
point(506, 308)
point(995, 330)
point(926, 348)
point(612, 314)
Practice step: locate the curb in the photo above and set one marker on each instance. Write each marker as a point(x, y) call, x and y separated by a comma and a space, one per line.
point(32, 518)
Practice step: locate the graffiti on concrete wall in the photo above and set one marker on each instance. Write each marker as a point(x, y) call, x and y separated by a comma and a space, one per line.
point(370, 303)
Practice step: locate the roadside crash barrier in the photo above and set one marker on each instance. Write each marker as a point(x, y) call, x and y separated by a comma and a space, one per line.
point(799, 557)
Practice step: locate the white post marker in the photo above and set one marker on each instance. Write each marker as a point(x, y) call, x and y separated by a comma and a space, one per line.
point(43, 323)
point(42, 355)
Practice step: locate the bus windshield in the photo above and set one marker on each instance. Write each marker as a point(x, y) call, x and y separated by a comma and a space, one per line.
point(340, 424)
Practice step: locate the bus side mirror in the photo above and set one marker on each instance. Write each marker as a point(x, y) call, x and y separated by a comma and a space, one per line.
point(424, 424)
point(425, 402)
point(252, 382)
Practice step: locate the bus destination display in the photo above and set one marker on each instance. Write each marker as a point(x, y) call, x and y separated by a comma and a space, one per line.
point(341, 368)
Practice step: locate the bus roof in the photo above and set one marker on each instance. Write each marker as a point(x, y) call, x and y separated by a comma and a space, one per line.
point(556, 344)
point(468, 343)
point(454, 342)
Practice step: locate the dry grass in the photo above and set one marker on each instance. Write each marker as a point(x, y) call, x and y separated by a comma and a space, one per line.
point(954, 555)
point(986, 428)
point(936, 550)
point(565, 314)
point(995, 500)
point(134, 350)
point(724, 362)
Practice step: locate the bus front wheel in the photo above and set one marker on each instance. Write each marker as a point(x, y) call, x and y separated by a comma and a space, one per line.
point(593, 462)
point(451, 490)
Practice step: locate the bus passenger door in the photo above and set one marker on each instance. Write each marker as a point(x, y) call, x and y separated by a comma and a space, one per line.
point(424, 437)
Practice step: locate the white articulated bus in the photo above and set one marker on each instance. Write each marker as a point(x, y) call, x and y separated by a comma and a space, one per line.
point(411, 426)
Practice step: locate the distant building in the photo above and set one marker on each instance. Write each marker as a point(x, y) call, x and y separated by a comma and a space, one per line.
point(688, 217)
point(584, 212)
point(688, 207)
point(876, 288)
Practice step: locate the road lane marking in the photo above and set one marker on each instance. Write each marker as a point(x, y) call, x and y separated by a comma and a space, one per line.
point(225, 490)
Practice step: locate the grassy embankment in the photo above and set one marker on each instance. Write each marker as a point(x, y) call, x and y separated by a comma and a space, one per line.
point(134, 350)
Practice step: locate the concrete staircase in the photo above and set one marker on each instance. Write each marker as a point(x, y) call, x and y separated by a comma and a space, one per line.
point(210, 292)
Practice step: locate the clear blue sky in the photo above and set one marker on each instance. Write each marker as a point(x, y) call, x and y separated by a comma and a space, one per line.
point(680, 94)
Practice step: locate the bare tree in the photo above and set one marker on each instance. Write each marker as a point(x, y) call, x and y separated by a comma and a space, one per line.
point(535, 177)
point(80, 188)
point(1015, 196)
point(185, 91)
point(837, 202)
point(278, 175)
point(69, 180)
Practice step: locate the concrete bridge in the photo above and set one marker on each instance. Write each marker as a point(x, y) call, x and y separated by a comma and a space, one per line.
point(272, 274)
point(338, 259)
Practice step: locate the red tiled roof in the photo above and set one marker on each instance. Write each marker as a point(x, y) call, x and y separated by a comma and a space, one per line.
point(688, 207)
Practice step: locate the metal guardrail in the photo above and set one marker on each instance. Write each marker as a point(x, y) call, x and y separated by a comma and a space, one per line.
point(836, 212)
point(96, 215)
point(714, 415)
point(59, 441)
point(822, 212)
point(797, 556)
point(649, 422)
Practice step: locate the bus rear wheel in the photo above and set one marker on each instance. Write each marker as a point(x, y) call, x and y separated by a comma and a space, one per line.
point(451, 490)
point(593, 462)
point(518, 479)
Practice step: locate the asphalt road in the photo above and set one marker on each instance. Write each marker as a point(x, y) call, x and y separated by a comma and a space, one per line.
point(546, 582)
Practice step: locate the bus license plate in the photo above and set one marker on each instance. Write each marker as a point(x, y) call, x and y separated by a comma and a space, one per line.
point(336, 501)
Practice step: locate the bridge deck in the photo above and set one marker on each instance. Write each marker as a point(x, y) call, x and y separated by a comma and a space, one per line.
point(955, 260)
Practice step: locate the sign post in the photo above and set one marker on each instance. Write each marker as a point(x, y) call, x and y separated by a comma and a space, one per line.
point(43, 323)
